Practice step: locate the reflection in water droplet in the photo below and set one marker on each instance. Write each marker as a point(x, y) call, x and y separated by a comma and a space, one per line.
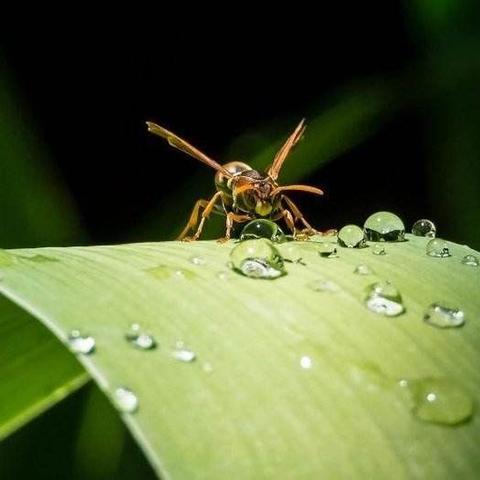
point(322, 285)
point(81, 343)
point(262, 228)
point(471, 260)
point(438, 248)
point(363, 270)
point(165, 271)
point(306, 362)
point(351, 236)
point(257, 259)
point(384, 227)
point(125, 400)
point(183, 354)
point(438, 400)
point(444, 317)
point(197, 260)
point(383, 298)
point(379, 250)
point(424, 228)
point(139, 339)
point(327, 250)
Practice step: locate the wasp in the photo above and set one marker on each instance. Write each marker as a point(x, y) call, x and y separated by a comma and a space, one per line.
point(243, 193)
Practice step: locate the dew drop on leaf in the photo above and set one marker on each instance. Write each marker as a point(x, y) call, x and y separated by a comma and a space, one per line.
point(438, 400)
point(383, 298)
point(379, 250)
point(257, 259)
point(125, 400)
point(424, 228)
point(322, 285)
point(438, 248)
point(182, 353)
point(163, 272)
point(384, 227)
point(363, 270)
point(140, 339)
point(306, 362)
point(81, 343)
point(471, 260)
point(327, 250)
point(262, 228)
point(351, 236)
point(444, 317)
point(197, 260)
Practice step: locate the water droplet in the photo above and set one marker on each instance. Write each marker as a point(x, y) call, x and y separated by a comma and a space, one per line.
point(379, 250)
point(351, 236)
point(384, 227)
point(257, 259)
point(424, 228)
point(223, 276)
point(207, 367)
point(322, 285)
point(363, 270)
point(383, 298)
point(125, 400)
point(471, 260)
point(183, 354)
point(444, 317)
point(139, 339)
point(438, 248)
point(164, 272)
point(81, 343)
point(262, 228)
point(197, 260)
point(438, 400)
point(306, 362)
point(39, 258)
point(327, 250)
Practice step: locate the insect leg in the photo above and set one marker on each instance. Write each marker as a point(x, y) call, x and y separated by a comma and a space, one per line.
point(206, 213)
point(298, 214)
point(232, 217)
point(287, 215)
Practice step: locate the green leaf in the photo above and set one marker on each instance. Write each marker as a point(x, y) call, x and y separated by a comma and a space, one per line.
point(245, 408)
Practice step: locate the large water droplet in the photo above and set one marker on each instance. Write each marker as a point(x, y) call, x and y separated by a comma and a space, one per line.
point(125, 400)
point(197, 260)
point(262, 228)
point(327, 250)
point(384, 227)
point(471, 260)
point(322, 285)
point(438, 248)
point(81, 343)
point(140, 339)
point(363, 270)
point(165, 271)
point(351, 236)
point(424, 228)
point(383, 298)
point(378, 249)
point(257, 259)
point(438, 400)
point(444, 317)
point(182, 353)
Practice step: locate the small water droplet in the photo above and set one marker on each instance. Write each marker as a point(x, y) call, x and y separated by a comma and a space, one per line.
point(306, 362)
point(223, 276)
point(183, 354)
point(322, 285)
point(125, 400)
point(438, 248)
point(207, 367)
point(471, 260)
point(384, 227)
point(257, 259)
point(438, 400)
point(363, 270)
point(327, 250)
point(140, 339)
point(379, 250)
point(444, 317)
point(197, 260)
point(351, 236)
point(424, 228)
point(164, 272)
point(383, 298)
point(262, 228)
point(81, 343)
